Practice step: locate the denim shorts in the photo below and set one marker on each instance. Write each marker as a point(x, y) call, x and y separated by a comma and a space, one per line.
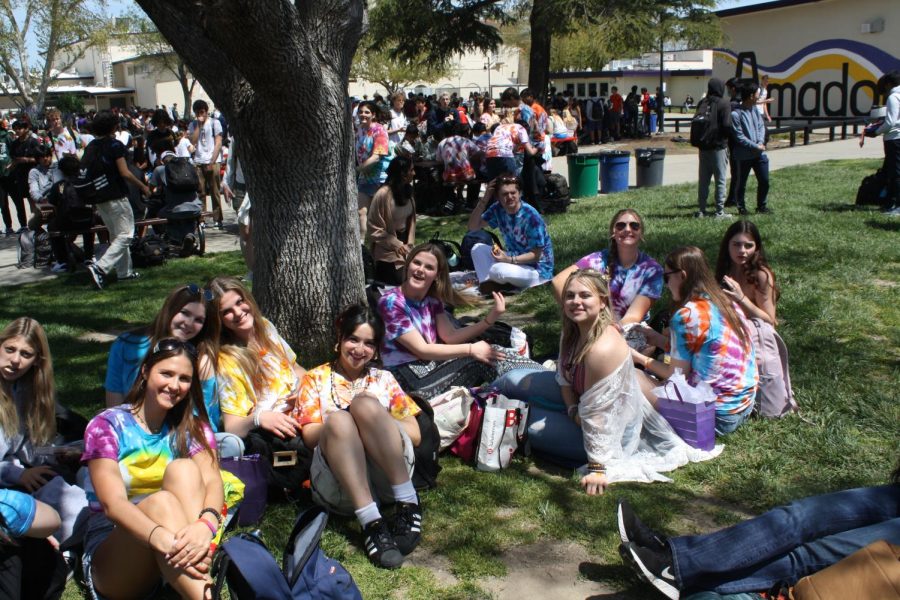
point(327, 492)
point(98, 529)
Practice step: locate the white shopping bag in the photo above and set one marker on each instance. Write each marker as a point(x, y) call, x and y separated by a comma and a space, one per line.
point(451, 413)
point(503, 428)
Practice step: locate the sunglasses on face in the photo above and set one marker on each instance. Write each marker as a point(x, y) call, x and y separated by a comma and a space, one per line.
point(171, 344)
point(666, 275)
point(195, 290)
point(621, 225)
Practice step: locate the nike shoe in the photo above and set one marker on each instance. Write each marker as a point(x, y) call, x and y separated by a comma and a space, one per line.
point(632, 529)
point(653, 567)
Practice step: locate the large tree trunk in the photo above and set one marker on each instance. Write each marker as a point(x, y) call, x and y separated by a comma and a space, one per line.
point(279, 70)
point(539, 57)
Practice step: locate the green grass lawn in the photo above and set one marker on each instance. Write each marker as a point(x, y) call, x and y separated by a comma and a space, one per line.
point(839, 272)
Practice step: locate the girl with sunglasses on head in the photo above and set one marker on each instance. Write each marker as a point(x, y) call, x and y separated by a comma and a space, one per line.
point(423, 348)
point(635, 279)
point(28, 421)
point(710, 339)
point(745, 274)
point(593, 409)
point(363, 428)
point(187, 314)
point(258, 375)
point(153, 483)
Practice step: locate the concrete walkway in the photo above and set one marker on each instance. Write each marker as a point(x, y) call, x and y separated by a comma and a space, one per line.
point(678, 168)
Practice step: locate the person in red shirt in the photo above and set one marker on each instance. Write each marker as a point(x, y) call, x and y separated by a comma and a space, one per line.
point(615, 114)
point(645, 110)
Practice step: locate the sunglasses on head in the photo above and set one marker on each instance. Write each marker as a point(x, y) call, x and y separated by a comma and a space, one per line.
point(195, 290)
point(621, 225)
point(171, 344)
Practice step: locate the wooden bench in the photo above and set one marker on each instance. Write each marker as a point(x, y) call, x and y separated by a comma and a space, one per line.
point(140, 225)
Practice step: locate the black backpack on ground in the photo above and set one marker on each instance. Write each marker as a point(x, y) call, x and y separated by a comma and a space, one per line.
point(426, 453)
point(479, 236)
point(873, 190)
point(557, 196)
point(704, 125)
point(181, 176)
point(451, 250)
point(149, 250)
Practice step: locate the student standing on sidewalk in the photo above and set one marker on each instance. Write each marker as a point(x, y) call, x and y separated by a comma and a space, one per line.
point(713, 152)
point(750, 149)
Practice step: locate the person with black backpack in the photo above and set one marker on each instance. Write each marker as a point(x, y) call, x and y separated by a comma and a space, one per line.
point(104, 162)
point(710, 132)
point(70, 214)
point(178, 181)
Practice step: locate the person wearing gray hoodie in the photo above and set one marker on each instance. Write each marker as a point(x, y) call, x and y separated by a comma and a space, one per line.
point(713, 150)
point(749, 132)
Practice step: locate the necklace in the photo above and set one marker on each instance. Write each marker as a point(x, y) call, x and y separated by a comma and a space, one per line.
point(355, 387)
point(138, 416)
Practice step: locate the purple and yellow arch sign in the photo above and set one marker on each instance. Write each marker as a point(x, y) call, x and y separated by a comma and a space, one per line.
point(829, 78)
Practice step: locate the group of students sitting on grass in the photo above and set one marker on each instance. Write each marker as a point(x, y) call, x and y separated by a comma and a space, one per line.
point(211, 377)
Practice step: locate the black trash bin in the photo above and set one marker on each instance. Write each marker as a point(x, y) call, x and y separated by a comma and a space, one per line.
point(649, 166)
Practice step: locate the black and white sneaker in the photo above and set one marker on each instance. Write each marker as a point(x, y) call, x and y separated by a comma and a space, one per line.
point(97, 276)
point(653, 567)
point(632, 529)
point(406, 526)
point(380, 545)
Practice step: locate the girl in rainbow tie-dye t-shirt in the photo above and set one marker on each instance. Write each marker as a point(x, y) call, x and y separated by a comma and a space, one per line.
point(710, 339)
point(154, 485)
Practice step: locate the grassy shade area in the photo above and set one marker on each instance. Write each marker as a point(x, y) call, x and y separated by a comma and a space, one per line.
point(839, 273)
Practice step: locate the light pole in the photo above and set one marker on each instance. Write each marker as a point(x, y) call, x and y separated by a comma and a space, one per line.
point(491, 63)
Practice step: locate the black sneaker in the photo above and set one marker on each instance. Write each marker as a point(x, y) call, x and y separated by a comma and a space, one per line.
point(406, 526)
point(380, 546)
point(187, 245)
point(743, 212)
point(765, 210)
point(632, 529)
point(96, 275)
point(653, 567)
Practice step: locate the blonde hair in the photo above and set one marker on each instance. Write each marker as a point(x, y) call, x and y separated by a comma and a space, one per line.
point(40, 408)
point(598, 284)
point(246, 355)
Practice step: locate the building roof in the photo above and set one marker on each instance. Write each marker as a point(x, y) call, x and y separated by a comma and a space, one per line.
point(743, 10)
point(82, 90)
point(630, 73)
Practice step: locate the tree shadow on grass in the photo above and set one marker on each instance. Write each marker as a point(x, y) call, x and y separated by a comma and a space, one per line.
point(841, 207)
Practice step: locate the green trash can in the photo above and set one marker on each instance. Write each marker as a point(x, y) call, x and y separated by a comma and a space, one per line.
point(584, 174)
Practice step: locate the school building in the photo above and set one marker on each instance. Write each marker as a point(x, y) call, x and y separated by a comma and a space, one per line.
point(822, 57)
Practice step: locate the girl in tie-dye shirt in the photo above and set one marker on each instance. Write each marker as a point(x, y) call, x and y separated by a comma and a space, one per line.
point(710, 340)
point(153, 483)
point(635, 279)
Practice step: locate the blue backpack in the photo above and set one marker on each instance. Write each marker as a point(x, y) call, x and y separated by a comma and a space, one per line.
point(250, 570)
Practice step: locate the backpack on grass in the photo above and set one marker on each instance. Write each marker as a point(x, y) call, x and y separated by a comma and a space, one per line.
point(774, 397)
point(250, 571)
point(149, 250)
point(557, 196)
point(872, 190)
point(181, 176)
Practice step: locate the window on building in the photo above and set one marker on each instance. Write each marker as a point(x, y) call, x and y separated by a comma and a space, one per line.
point(581, 89)
point(570, 87)
point(592, 89)
point(604, 89)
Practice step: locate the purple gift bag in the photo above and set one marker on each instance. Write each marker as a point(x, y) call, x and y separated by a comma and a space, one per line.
point(694, 422)
point(252, 472)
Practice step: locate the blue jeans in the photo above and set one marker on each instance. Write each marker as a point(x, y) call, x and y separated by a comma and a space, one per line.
point(550, 431)
point(498, 165)
point(726, 423)
point(788, 542)
point(760, 167)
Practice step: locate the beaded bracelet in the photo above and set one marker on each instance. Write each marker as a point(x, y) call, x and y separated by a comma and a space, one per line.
point(593, 467)
point(213, 512)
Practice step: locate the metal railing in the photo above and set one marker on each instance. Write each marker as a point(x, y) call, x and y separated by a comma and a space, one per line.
point(805, 127)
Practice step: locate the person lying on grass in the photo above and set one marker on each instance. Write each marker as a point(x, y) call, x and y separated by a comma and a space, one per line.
point(154, 486)
point(363, 428)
